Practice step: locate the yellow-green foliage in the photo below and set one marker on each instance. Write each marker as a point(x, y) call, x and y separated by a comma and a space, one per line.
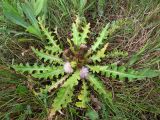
point(83, 96)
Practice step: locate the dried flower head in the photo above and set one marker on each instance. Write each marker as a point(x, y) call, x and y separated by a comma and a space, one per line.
point(84, 72)
point(68, 68)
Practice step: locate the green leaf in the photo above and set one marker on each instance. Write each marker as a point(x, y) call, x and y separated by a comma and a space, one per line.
point(102, 36)
point(114, 71)
point(64, 95)
point(73, 80)
point(28, 10)
point(100, 88)
point(75, 34)
point(100, 54)
point(30, 68)
point(52, 72)
point(83, 96)
point(121, 72)
point(33, 30)
point(40, 71)
point(149, 73)
point(51, 40)
point(13, 15)
point(56, 84)
point(53, 49)
point(84, 34)
point(46, 56)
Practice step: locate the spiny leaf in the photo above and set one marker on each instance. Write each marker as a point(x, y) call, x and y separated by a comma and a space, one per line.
point(52, 72)
point(53, 49)
point(100, 88)
point(47, 57)
point(30, 68)
point(96, 68)
point(40, 71)
point(83, 97)
point(51, 40)
point(121, 72)
point(84, 34)
point(53, 85)
point(107, 32)
point(100, 54)
point(59, 82)
point(73, 80)
point(65, 93)
point(102, 36)
point(64, 96)
point(75, 34)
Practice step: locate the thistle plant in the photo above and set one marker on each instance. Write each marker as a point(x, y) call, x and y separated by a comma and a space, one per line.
point(78, 65)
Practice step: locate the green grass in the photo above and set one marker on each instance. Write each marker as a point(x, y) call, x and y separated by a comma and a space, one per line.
point(16, 100)
point(140, 38)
